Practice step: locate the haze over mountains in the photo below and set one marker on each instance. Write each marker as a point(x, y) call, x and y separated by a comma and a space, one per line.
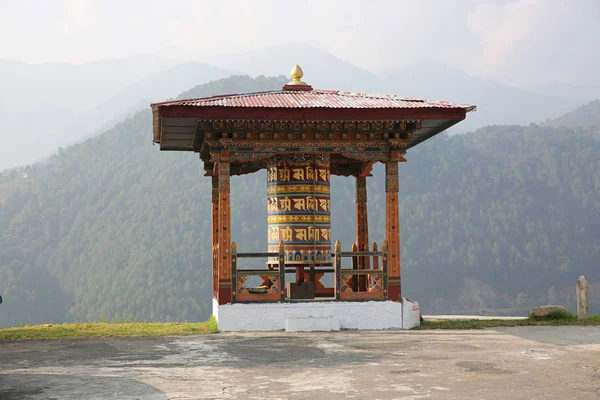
point(46, 106)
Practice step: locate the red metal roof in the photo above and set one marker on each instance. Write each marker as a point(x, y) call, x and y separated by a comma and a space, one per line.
point(312, 99)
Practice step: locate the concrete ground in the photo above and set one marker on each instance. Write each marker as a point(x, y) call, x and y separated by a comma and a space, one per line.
point(468, 317)
point(508, 363)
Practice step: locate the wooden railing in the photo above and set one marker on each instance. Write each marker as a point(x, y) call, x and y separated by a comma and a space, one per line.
point(273, 284)
point(349, 284)
point(361, 284)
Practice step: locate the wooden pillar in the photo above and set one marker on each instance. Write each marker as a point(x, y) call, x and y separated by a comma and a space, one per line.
point(233, 256)
point(224, 231)
point(362, 228)
point(337, 266)
point(215, 235)
point(355, 266)
point(282, 285)
point(392, 228)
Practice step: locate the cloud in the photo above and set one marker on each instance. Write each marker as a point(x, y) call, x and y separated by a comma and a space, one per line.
point(514, 41)
point(512, 33)
point(79, 17)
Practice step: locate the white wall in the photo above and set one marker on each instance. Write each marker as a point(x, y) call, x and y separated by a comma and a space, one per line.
point(368, 315)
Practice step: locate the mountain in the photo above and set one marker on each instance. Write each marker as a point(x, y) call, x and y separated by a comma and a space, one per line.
point(45, 106)
point(322, 70)
point(157, 87)
point(501, 219)
point(586, 115)
point(579, 93)
point(496, 103)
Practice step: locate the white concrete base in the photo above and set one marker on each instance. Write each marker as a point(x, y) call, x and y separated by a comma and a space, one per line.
point(411, 314)
point(320, 315)
point(312, 324)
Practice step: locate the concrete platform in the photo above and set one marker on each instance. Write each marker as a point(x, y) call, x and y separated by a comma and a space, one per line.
point(361, 315)
point(511, 363)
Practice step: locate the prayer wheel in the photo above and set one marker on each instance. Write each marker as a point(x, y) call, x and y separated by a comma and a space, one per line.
point(298, 208)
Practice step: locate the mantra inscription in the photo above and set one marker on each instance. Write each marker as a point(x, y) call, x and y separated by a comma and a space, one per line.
point(298, 207)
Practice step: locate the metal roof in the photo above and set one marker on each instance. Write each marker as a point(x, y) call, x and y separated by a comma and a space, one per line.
point(313, 99)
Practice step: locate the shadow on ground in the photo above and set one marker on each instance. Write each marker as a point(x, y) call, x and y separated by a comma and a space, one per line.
point(44, 386)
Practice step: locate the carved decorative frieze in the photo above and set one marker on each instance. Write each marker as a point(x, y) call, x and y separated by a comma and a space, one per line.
point(361, 189)
point(215, 189)
point(391, 177)
point(240, 285)
point(223, 176)
point(250, 156)
point(246, 168)
point(283, 126)
point(362, 155)
point(344, 170)
point(346, 280)
point(275, 283)
point(281, 145)
point(377, 285)
point(215, 156)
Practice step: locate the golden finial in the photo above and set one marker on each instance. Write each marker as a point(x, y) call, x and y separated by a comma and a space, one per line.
point(297, 75)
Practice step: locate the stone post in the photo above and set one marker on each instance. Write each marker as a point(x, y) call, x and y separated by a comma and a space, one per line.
point(582, 297)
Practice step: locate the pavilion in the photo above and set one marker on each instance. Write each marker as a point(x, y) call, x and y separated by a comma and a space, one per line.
point(302, 136)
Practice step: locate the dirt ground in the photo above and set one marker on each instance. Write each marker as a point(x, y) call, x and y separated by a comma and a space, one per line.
point(510, 363)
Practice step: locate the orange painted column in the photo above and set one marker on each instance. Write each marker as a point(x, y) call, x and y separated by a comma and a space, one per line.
point(224, 231)
point(392, 229)
point(215, 235)
point(362, 227)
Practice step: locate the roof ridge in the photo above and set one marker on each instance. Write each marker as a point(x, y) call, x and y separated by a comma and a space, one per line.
point(220, 96)
point(316, 98)
point(371, 95)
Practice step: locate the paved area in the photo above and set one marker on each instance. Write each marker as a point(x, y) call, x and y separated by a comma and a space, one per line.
point(510, 363)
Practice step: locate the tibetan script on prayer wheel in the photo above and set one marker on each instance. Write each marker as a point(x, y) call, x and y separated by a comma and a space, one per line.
point(298, 206)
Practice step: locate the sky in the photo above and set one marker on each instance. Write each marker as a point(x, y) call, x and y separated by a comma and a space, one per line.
point(518, 42)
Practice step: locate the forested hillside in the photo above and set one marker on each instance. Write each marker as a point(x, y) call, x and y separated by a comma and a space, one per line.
point(502, 218)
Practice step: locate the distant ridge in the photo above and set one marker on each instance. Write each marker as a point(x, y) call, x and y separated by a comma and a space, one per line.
point(497, 104)
point(586, 115)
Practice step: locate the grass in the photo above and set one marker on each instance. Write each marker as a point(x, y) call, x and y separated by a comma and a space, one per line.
point(146, 329)
point(494, 323)
point(108, 329)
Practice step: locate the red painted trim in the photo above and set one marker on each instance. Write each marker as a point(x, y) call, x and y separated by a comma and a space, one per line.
point(311, 114)
point(301, 88)
point(224, 295)
point(393, 292)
